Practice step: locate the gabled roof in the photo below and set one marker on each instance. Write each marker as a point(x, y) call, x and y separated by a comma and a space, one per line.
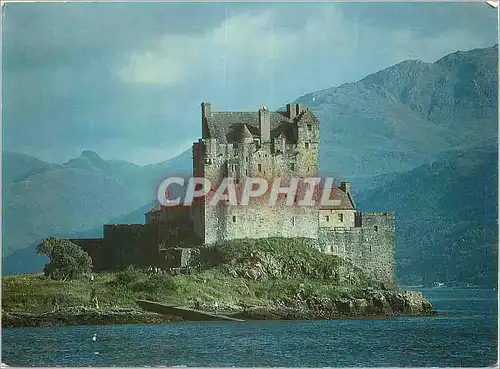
point(226, 126)
point(345, 201)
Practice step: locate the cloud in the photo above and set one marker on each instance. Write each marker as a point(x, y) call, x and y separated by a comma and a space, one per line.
point(175, 59)
point(261, 44)
point(126, 79)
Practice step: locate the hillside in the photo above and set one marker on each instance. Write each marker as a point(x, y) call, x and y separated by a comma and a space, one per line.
point(447, 223)
point(403, 116)
point(26, 259)
point(16, 167)
point(391, 134)
point(41, 199)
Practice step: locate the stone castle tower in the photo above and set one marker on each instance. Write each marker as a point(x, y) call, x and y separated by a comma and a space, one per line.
point(256, 144)
point(285, 145)
point(252, 144)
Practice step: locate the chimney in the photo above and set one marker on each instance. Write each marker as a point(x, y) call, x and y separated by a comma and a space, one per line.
point(265, 124)
point(291, 110)
point(205, 110)
point(346, 187)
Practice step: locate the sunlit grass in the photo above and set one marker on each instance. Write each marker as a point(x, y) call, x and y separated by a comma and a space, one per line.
point(290, 267)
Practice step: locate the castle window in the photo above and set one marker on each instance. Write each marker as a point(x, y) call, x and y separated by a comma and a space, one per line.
point(246, 172)
point(292, 166)
point(293, 220)
point(234, 218)
point(260, 167)
point(309, 127)
point(341, 218)
point(375, 228)
point(307, 145)
point(246, 159)
point(327, 218)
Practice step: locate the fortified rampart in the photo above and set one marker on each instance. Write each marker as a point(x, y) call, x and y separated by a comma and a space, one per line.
point(369, 245)
point(240, 145)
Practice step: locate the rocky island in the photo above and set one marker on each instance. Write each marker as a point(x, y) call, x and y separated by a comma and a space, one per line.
point(246, 279)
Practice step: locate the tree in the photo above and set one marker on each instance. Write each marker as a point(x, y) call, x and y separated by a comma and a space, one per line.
point(66, 260)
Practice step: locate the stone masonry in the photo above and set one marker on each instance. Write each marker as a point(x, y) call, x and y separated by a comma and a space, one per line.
point(239, 145)
point(283, 144)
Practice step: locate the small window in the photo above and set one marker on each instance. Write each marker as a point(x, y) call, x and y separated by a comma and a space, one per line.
point(307, 145)
point(293, 220)
point(341, 218)
point(375, 228)
point(246, 172)
point(327, 218)
point(234, 218)
point(292, 166)
point(246, 159)
point(260, 167)
point(309, 127)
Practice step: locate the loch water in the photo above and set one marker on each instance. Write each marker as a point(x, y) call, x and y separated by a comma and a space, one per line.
point(463, 334)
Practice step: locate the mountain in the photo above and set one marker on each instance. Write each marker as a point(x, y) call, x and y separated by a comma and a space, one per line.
point(26, 260)
point(41, 199)
point(15, 167)
point(416, 138)
point(403, 116)
point(146, 179)
point(446, 223)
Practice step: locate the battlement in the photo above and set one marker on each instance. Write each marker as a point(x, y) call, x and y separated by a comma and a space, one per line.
point(261, 144)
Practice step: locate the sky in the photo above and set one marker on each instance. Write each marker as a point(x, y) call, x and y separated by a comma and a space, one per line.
point(126, 79)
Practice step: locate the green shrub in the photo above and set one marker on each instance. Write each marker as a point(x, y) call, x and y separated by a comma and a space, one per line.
point(66, 260)
point(156, 283)
point(128, 276)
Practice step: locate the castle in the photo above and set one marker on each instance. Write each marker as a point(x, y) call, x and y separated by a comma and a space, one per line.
point(240, 145)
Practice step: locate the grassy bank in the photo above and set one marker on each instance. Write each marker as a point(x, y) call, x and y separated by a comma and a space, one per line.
point(247, 274)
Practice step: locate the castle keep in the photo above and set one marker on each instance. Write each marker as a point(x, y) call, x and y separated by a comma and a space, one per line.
point(240, 145)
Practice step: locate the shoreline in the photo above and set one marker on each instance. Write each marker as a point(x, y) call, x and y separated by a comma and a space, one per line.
point(379, 306)
point(26, 320)
point(45, 320)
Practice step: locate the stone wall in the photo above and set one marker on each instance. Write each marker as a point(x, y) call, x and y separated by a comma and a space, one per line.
point(262, 221)
point(371, 246)
point(141, 245)
point(269, 160)
point(95, 248)
point(332, 218)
